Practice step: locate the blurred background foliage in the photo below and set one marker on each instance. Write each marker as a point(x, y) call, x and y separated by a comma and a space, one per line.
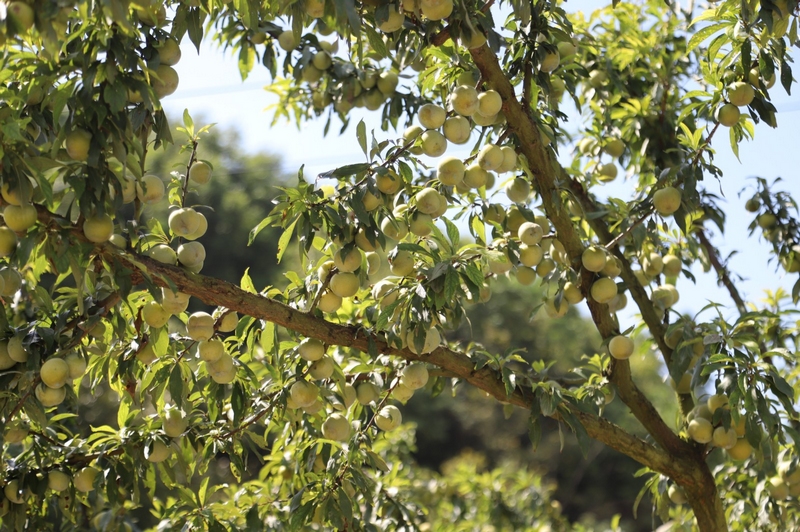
point(474, 465)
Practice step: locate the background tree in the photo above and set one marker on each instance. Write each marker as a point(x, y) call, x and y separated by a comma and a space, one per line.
point(307, 376)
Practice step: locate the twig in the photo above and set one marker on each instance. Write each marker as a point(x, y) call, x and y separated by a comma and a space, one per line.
point(622, 236)
point(722, 271)
point(192, 160)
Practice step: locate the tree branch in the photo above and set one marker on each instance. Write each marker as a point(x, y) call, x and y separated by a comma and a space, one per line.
point(550, 178)
point(723, 276)
point(222, 293)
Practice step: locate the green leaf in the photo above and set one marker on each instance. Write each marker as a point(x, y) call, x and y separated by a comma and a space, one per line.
point(247, 59)
point(361, 134)
point(704, 34)
point(283, 242)
point(345, 171)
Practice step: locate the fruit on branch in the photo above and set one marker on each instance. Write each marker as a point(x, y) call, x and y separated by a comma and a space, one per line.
point(200, 173)
point(530, 233)
point(13, 493)
point(146, 354)
point(741, 450)
point(754, 77)
point(420, 224)
point(672, 266)
point(614, 147)
point(620, 347)
point(428, 200)
point(509, 160)
point(667, 200)
point(173, 421)
point(16, 431)
point(344, 284)
point(98, 228)
point(387, 82)
point(550, 61)
point(450, 171)
point(457, 129)
point(210, 350)
point(490, 157)
point(389, 182)
point(54, 372)
point(321, 369)
point(222, 370)
point(676, 494)
point(603, 290)
point(518, 190)
point(77, 144)
point(322, 60)
point(593, 259)
point(347, 260)
point(200, 326)
point(414, 376)
point(163, 254)
point(174, 302)
point(16, 351)
point(184, 222)
point(728, 115)
point(50, 396)
point(778, 489)
point(700, 430)
point(164, 81)
point(367, 393)
point(607, 172)
point(394, 228)
point(329, 302)
point(652, 264)
point(191, 254)
point(597, 78)
point(389, 418)
point(740, 93)
point(436, 9)
point(20, 218)
point(431, 341)
point(613, 267)
point(434, 143)
point(464, 100)
point(154, 314)
point(524, 275)
point(84, 479)
point(545, 267)
point(489, 103)
point(286, 41)
point(311, 349)
point(572, 293)
point(475, 177)
point(20, 195)
point(169, 52)
point(77, 365)
point(724, 438)
point(21, 14)
point(394, 22)
point(717, 401)
point(530, 256)
point(57, 480)
point(158, 452)
point(336, 428)
point(228, 322)
point(150, 189)
point(431, 116)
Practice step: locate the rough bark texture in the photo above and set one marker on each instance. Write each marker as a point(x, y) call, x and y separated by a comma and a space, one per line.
point(551, 181)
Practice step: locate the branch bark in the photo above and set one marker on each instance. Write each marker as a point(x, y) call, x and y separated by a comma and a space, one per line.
point(222, 293)
point(551, 179)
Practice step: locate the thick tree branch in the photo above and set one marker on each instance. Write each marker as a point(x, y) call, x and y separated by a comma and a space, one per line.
point(222, 293)
point(550, 178)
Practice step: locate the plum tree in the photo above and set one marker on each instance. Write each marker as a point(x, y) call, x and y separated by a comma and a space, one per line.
point(81, 119)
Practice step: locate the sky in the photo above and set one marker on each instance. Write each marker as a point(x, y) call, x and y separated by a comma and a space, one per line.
point(212, 90)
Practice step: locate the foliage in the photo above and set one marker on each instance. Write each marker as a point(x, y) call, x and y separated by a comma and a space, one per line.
point(306, 376)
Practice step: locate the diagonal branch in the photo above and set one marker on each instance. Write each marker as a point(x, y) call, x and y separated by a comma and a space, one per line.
point(549, 178)
point(723, 276)
point(222, 293)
